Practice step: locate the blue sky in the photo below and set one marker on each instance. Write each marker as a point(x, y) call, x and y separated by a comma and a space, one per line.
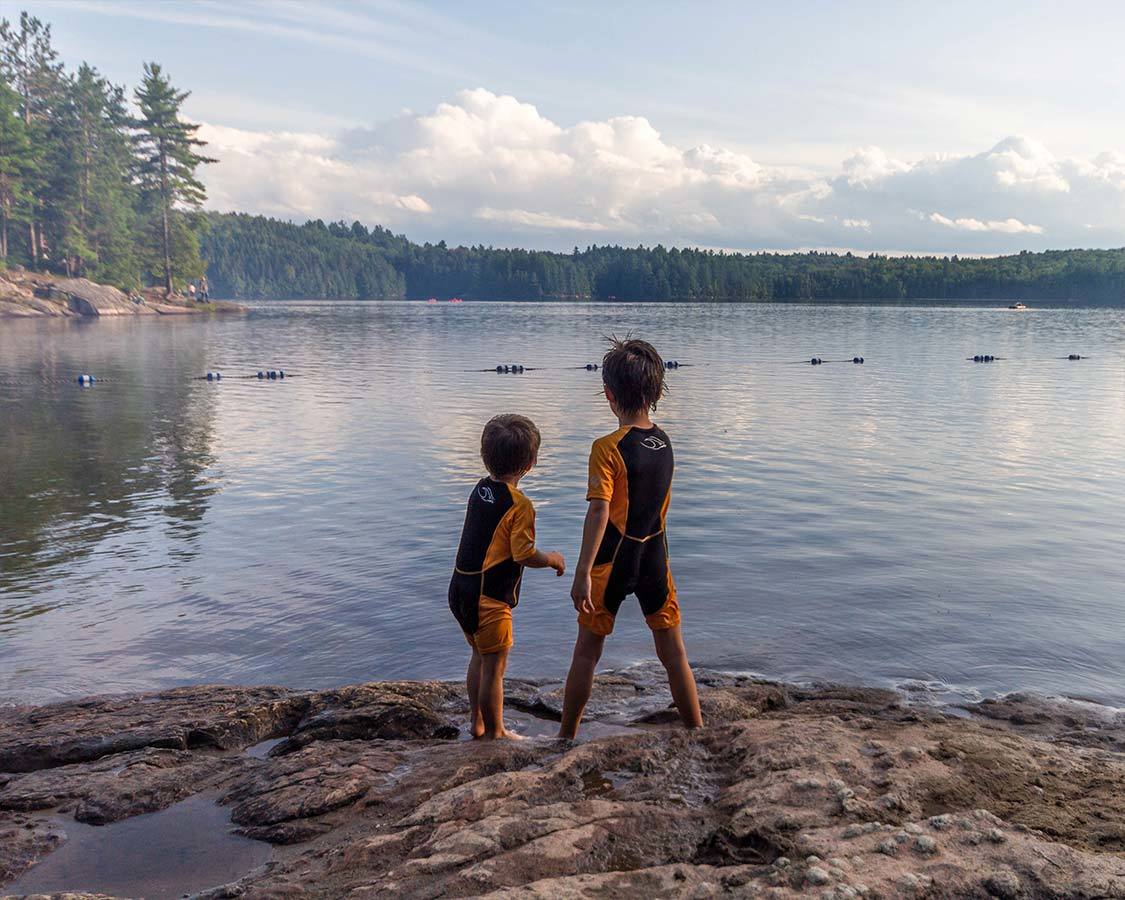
point(952, 127)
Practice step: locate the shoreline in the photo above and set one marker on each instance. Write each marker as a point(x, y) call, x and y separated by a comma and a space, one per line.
point(367, 790)
point(38, 295)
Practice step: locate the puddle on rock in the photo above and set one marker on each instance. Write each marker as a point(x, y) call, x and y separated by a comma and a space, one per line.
point(185, 848)
point(261, 750)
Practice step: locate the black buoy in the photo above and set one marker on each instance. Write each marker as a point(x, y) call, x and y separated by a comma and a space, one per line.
point(86, 380)
point(1074, 356)
point(857, 360)
point(499, 369)
point(280, 373)
point(261, 374)
point(815, 361)
point(989, 358)
point(272, 375)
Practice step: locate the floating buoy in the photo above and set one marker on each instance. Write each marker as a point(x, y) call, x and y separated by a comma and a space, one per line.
point(591, 367)
point(214, 376)
point(1074, 356)
point(816, 361)
point(272, 375)
point(261, 374)
point(858, 360)
point(280, 373)
point(499, 369)
point(672, 364)
point(86, 380)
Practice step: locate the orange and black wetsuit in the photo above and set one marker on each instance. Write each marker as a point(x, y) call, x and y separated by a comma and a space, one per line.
point(499, 534)
point(632, 469)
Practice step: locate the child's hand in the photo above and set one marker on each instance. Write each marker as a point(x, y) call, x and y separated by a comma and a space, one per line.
point(580, 593)
point(556, 561)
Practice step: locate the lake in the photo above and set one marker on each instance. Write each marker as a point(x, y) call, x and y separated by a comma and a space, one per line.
point(923, 521)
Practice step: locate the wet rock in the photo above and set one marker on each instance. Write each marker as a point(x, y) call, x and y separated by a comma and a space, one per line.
point(375, 801)
point(24, 840)
point(207, 716)
point(385, 711)
point(119, 786)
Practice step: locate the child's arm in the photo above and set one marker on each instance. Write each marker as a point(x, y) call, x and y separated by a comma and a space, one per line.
point(597, 517)
point(541, 560)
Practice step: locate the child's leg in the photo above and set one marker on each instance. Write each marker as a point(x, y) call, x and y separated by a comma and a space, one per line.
point(472, 683)
point(681, 681)
point(492, 694)
point(580, 680)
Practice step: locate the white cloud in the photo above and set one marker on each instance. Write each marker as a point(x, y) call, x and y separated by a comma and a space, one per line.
point(490, 168)
point(1007, 226)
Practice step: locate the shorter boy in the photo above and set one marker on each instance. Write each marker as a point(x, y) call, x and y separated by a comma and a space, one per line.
point(624, 543)
point(497, 542)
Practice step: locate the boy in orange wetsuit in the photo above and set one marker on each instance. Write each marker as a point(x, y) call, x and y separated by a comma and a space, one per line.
point(624, 545)
point(497, 543)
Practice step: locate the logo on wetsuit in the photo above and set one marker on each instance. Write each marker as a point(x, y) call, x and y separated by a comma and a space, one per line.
point(485, 493)
point(653, 443)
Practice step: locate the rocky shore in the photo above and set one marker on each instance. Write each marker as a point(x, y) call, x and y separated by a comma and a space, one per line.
point(371, 791)
point(35, 295)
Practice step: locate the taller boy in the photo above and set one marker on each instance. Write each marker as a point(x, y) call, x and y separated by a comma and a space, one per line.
point(624, 545)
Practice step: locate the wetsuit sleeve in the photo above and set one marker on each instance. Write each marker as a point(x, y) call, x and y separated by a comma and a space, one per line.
point(523, 531)
point(604, 461)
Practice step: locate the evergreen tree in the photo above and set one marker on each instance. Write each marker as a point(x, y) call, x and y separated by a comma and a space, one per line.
point(15, 164)
point(30, 65)
point(167, 159)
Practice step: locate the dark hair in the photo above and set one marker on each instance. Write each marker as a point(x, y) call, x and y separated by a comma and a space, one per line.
point(509, 445)
point(634, 372)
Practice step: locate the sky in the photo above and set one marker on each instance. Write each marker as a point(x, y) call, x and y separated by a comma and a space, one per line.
point(921, 127)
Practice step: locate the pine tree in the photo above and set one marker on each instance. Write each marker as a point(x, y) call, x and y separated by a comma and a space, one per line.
point(15, 164)
point(31, 66)
point(91, 197)
point(167, 159)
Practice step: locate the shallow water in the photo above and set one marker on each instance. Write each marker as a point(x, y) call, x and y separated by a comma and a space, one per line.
point(918, 519)
point(185, 848)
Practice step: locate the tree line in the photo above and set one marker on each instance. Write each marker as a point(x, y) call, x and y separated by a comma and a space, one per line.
point(88, 187)
point(253, 257)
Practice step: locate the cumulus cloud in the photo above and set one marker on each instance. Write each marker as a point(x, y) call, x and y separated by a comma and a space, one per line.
point(1008, 226)
point(490, 168)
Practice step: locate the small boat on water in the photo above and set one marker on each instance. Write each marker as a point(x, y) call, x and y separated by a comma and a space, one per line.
point(1019, 304)
point(456, 300)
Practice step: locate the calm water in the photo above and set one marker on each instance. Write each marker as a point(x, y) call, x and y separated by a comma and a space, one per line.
point(916, 519)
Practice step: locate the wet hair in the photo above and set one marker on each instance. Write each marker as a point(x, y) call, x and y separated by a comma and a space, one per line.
point(634, 372)
point(509, 445)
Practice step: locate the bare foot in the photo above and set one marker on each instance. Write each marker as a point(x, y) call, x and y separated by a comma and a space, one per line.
point(504, 736)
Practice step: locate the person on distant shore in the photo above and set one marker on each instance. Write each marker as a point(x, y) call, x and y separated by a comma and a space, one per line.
point(624, 544)
point(204, 289)
point(497, 543)
point(191, 291)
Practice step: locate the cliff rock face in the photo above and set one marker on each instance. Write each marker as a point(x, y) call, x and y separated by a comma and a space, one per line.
point(369, 792)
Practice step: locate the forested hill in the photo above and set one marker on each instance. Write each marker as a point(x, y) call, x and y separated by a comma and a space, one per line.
point(252, 257)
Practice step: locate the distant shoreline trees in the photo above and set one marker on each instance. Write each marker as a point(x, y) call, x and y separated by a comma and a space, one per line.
point(254, 257)
point(94, 191)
